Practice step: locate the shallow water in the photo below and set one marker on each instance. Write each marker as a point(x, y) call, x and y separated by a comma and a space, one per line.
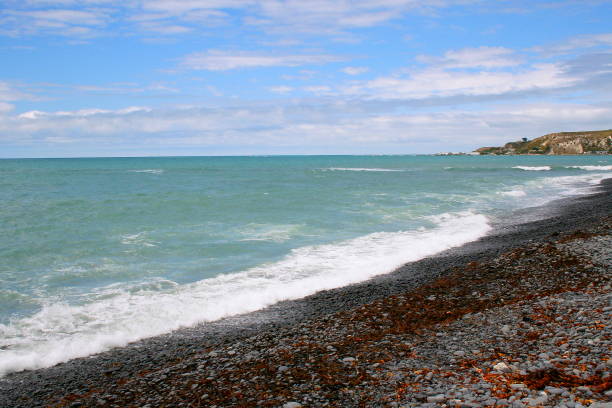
point(99, 252)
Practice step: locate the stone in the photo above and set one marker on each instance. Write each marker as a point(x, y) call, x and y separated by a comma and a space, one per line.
point(292, 404)
point(253, 355)
point(555, 391)
point(436, 398)
point(501, 367)
point(534, 402)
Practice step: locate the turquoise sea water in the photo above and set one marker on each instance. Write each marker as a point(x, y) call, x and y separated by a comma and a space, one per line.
point(96, 253)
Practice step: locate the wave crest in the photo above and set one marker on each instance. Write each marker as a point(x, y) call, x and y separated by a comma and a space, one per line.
point(60, 332)
point(533, 168)
point(591, 168)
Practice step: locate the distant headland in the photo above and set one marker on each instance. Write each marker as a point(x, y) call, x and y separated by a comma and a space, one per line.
point(588, 142)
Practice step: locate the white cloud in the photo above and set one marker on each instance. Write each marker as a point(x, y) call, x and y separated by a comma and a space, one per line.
point(439, 83)
point(577, 43)
point(170, 17)
point(166, 29)
point(318, 89)
point(186, 6)
point(8, 93)
point(367, 19)
point(63, 3)
point(216, 60)
point(68, 22)
point(482, 57)
point(127, 88)
point(325, 16)
point(6, 107)
point(302, 75)
point(483, 71)
point(281, 89)
point(81, 113)
point(303, 125)
point(355, 70)
point(76, 17)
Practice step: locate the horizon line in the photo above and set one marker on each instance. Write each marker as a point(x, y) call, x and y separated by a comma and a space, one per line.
point(225, 155)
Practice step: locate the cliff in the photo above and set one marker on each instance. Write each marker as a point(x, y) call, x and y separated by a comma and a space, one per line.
point(589, 142)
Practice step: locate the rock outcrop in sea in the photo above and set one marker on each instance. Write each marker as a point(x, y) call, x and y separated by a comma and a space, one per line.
point(589, 142)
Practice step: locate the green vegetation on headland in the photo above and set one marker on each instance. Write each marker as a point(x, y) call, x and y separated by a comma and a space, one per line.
point(589, 142)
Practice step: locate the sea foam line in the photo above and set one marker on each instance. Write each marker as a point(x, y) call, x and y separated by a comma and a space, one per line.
point(61, 332)
point(590, 168)
point(358, 169)
point(514, 193)
point(151, 171)
point(576, 185)
point(533, 168)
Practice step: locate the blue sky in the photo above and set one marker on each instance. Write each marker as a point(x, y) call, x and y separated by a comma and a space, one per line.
point(217, 77)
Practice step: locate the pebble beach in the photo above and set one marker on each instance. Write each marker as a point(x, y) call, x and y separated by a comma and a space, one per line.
point(520, 318)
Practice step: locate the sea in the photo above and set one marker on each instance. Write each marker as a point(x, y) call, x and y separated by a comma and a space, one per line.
point(96, 253)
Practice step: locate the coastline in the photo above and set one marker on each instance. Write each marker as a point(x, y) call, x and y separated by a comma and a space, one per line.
point(107, 370)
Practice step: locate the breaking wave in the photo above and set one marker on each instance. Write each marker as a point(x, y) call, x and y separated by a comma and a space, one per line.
point(591, 168)
point(60, 332)
point(358, 169)
point(533, 168)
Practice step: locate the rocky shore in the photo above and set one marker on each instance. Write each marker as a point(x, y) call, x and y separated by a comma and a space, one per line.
point(518, 319)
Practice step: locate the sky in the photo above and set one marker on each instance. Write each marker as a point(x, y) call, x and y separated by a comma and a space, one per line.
point(82, 78)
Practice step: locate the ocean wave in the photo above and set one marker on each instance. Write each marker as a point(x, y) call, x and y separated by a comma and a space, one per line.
point(590, 168)
point(10, 297)
point(540, 191)
point(358, 169)
point(533, 168)
point(151, 171)
point(139, 239)
point(575, 185)
point(514, 193)
point(268, 232)
point(60, 332)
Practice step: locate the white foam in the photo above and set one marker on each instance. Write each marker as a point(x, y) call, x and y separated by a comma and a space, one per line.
point(514, 193)
point(139, 239)
point(268, 232)
point(358, 169)
point(60, 332)
point(152, 171)
point(591, 168)
point(540, 191)
point(575, 185)
point(533, 168)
